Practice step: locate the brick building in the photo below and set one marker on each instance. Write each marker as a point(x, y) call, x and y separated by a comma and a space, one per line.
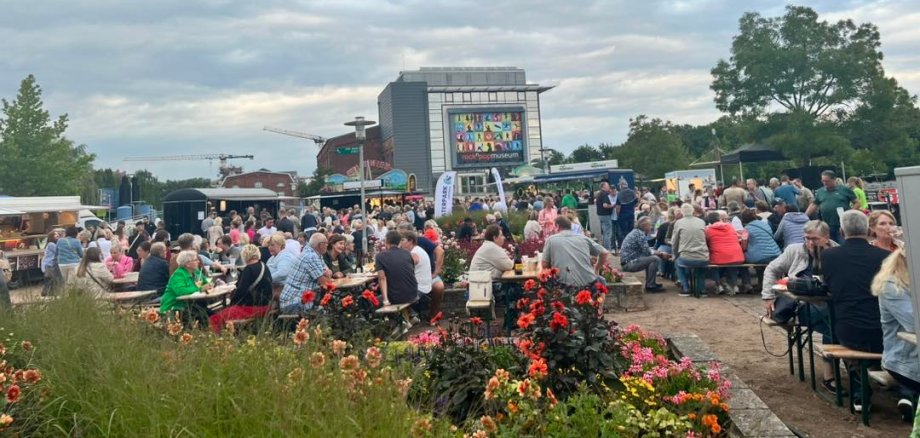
point(283, 183)
point(329, 158)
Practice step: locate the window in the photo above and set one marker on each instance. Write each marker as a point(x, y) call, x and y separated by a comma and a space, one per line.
point(467, 97)
point(522, 96)
point(493, 96)
point(257, 184)
point(448, 97)
point(281, 184)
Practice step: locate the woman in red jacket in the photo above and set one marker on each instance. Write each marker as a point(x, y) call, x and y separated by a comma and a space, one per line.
point(724, 249)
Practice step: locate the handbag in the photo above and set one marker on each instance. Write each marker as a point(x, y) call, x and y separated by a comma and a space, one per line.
point(807, 286)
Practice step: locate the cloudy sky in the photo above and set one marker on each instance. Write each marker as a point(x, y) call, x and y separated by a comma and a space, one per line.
point(169, 77)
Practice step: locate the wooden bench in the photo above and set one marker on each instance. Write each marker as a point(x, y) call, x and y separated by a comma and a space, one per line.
point(884, 379)
point(697, 279)
point(392, 309)
point(863, 359)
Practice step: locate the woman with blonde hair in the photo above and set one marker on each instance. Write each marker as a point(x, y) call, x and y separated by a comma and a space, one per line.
point(117, 262)
point(216, 231)
point(856, 185)
point(532, 228)
point(883, 230)
point(92, 276)
point(253, 293)
point(576, 224)
point(892, 287)
point(432, 231)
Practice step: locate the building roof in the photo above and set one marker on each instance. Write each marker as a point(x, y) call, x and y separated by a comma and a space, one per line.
point(222, 193)
point(472, 88)
point(260, 171)
point(38, 204)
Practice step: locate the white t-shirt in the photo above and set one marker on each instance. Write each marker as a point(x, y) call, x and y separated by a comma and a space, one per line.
point(104, 245)
point(292, 246)
point(265, 231)
point(422, 270)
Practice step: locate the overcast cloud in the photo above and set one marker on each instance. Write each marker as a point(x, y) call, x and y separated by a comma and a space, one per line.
point(192, 77)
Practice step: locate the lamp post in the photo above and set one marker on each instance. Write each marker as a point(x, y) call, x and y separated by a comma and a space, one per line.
point(359, 123)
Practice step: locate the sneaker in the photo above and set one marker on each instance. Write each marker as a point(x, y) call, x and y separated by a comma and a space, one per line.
point(906, 408)
point(733, 291)
point(683, 293)
point(830, 386)
point(414, 320)
point(400, 330)
point(654, 289)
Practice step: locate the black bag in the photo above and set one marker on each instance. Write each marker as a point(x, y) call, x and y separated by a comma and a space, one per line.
point(784, 309)
point(807, 286)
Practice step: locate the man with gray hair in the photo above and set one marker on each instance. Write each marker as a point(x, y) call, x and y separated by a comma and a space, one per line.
point(309, 273)
point(848, 272)
point(635, 254)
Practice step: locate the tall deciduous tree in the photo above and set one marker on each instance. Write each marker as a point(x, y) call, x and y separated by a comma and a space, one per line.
point(35, 157)
point(806, 66)
point(653, 148)
point(585, 153)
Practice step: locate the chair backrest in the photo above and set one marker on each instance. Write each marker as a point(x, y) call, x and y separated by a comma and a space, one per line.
point(480, 286)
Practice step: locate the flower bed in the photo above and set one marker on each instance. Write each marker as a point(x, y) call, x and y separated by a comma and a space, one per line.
point(567, 372)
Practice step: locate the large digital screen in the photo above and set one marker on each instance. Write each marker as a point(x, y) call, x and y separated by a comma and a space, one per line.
point(487, 137)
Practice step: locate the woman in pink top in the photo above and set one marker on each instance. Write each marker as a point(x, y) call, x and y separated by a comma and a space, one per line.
point(547, 217)
point(118, 263)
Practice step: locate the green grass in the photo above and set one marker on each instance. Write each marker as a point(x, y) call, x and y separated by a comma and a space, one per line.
point(111, 375)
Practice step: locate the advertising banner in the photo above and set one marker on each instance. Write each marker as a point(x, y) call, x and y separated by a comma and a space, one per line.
point(444, 194)
point(498, 183)
point(483, 137)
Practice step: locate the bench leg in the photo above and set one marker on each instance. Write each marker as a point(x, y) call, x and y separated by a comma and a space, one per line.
point(864, 390)
point(790, 338)
point(799, 349)
point(811, 358)
point(837, 382)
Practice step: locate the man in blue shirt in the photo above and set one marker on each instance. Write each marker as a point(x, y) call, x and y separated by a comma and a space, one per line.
point(635, 255)
point(786, 191)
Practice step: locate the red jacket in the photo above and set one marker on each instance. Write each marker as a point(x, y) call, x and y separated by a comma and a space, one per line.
point(724, 247)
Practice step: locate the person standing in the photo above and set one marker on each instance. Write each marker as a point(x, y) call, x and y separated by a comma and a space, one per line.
point(207, 223)
point(805, 194)
point(848, 273)
point(547, 217)
point(733, 194)
point(50, 267)
point(604, 213)
point(626, 211)
point(284, 224)
point(829, 201)
point(856, 185)
point(69, 253)
point(569, 200)
point(787, 192)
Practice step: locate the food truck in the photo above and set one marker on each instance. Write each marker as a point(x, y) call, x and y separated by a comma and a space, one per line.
point(25, 223)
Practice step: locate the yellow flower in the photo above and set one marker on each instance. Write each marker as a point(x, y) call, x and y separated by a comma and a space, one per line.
point(186, 338)
point(295, 375)
point(5, 420)
point(349, 362)
point(317, 359)
point(174, 328)
point(488, 424)
point(338, 347)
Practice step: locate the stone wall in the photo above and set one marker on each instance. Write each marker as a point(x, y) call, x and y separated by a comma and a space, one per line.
point(626, 296)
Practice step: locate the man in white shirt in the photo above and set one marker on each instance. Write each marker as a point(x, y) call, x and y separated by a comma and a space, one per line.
point(267, 230)
point(291, 245)
point(420, 259)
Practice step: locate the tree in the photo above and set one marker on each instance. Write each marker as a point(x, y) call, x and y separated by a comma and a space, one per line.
point(585, 153)
point(653, 148)
point(801, 138)
point(804, 65)
point(553, 156)
point(36, 157)
point(315, 186)
point(886, 125)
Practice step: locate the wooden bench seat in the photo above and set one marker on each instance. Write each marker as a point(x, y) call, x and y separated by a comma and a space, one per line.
point(883, 378)
point(742, 265)
point(834, 351)
point(392, 309)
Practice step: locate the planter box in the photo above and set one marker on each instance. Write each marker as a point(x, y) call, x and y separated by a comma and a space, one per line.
point(625, 296)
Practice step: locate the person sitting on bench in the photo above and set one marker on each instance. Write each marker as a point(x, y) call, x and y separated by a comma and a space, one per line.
point(848, 273)
point(801, 259)
point(899, 358)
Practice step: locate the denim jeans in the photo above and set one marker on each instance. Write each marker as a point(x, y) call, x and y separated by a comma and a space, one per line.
point(683, 270)
point(617, 235)
point(666, 267)
point(6, 305)
point(647, 264)
point(606, 231)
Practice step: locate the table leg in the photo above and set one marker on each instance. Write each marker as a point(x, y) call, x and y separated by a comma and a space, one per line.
point(790, 338)
point(799, 347)
point(811, 358)
point(864, 390)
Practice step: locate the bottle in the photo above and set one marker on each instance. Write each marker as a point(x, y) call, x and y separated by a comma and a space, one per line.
point(518, 264)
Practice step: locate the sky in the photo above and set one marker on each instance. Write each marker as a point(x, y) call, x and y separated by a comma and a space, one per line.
point(174, 77)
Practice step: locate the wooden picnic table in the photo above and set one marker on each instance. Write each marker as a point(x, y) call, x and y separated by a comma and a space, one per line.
point(803, 336)
point(353, 282)
point(130, 279)
point(218, 293)
point(128, 297)
point(510, 276)
point(908, 337)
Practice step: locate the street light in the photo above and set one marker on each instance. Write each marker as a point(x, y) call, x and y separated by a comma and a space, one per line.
point(359, 123)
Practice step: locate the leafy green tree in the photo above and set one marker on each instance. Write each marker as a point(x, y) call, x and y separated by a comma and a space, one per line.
point(653, 148)
point(316, 185)
point(887, 123)
point(804, 65)
point(36, 157)
point(584, 154)
point(801, 138)
point(607, 150)
point(553, 156)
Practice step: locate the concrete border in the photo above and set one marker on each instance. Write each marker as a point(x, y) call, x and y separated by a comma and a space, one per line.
point(750, 416)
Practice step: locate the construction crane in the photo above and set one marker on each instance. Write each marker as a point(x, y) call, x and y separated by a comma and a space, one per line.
point(225, 168)
point(316, 139)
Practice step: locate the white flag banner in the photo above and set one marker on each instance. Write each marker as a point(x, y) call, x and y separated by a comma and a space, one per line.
point(498, 184)
point(444, 194)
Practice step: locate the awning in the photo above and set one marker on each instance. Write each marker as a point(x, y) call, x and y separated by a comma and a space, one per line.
point(10, 212)
point(751, 153)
